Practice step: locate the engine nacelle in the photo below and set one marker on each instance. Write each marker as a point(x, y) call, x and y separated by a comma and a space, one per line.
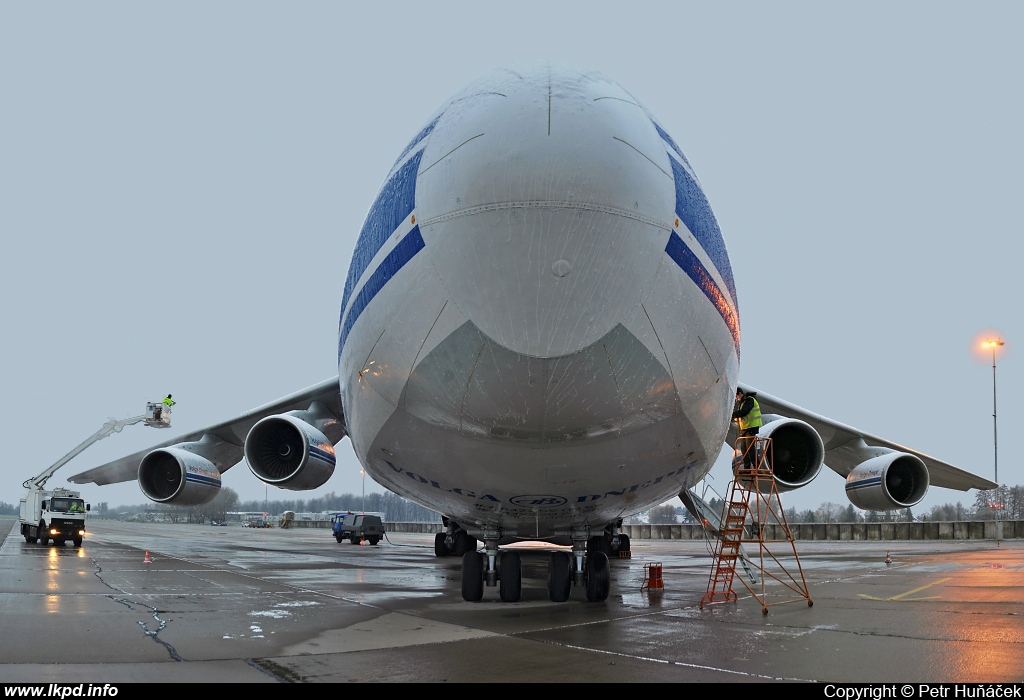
point(888, 482)
point(797, 452)
point(177, 477)
point(288, 452)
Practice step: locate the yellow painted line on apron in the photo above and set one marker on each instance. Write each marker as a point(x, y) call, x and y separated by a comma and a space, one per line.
point(904, 595)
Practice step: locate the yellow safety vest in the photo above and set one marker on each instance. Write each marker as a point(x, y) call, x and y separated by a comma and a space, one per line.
point(752, 419)
point(168, 402)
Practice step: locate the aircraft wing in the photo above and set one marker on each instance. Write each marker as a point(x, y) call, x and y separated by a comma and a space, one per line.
point(846, 447)
point(225, 440)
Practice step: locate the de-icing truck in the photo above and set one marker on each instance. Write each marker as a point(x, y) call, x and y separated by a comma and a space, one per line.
point(57, 515)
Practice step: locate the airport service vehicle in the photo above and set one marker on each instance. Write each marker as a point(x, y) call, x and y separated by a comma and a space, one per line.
point(355, 527)
point(539, 336)
point(57, 515)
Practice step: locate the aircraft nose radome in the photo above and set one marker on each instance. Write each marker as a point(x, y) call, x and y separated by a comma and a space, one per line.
point(545, 199)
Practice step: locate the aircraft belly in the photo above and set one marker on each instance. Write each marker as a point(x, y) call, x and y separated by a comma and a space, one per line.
point(484, 432)
point(536, 491)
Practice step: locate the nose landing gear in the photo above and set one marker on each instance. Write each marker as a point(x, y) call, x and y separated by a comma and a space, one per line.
point(588, 566)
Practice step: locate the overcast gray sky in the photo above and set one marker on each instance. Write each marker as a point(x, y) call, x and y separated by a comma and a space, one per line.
point(182, 184)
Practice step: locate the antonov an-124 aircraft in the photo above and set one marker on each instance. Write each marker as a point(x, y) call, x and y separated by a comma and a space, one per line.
point(539, 336)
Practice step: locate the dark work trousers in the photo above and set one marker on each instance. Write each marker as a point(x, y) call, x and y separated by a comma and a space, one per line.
point(748, 447)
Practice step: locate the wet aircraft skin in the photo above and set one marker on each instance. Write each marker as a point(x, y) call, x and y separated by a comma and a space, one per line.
point(239, 605)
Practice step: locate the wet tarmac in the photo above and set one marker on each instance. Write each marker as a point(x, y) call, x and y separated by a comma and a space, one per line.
point(231, 604)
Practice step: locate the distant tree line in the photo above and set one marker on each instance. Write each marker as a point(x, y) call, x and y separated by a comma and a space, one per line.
point(395, 508)
point(1006, 501)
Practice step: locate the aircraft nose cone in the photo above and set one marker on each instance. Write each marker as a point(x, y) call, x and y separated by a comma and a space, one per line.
point(545, 198)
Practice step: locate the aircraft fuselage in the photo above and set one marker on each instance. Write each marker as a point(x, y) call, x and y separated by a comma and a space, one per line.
point(540, 328)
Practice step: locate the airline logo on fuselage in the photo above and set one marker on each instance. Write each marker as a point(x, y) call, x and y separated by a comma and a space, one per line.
point(538, 501)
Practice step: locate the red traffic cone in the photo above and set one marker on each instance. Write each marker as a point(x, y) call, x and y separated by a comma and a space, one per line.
point(888, 559)
point(147, 560)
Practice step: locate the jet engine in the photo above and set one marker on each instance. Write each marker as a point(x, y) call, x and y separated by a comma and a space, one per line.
point(797, 451)
point(288, 451)
point(175, 476)
point(888, 482)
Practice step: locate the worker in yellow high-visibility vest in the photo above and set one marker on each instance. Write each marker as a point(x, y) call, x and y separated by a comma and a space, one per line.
point(168, 401)
point(747, 412)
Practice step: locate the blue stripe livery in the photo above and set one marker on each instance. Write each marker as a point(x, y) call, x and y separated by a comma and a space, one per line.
point(424, 133)
point(388, 268)
point(322, 455)
point(201, 479)
point(395, 201)
point(693, 209)
point(668, 139)
point(692, 266)
point(864, 483)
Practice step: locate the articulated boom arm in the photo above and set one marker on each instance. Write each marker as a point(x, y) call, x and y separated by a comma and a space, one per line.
point(111, 426)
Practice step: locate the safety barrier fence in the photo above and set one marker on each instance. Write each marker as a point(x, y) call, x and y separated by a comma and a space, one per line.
point(961, 530)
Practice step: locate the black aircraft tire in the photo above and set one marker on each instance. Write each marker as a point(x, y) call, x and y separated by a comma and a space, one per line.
point(599, 543)
point(472, 576)
point(559, 577)
point(510, 577)
point(440, 549)
point(598, 577)
point(624, 543)
point(461, 543)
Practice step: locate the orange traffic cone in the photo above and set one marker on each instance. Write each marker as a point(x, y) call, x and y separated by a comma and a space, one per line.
point(888, 559)
point(147, 560)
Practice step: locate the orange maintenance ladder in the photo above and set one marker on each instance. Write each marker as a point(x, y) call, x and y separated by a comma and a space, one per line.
point(753, 495)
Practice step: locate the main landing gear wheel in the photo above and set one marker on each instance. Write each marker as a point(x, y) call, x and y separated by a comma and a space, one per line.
point(599, 543)
point(472, 576)
point(463, 543)
point(440, 550)
point(598, 577)
point(510, 577)
point(559, 577)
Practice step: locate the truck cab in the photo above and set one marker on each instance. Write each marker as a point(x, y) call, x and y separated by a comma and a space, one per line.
point(57, 515)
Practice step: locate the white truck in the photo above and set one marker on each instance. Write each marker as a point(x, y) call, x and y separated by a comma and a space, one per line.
point(57, 515)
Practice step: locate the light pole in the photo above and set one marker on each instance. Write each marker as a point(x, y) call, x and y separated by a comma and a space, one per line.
point(363, 472)
point(993, 344)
